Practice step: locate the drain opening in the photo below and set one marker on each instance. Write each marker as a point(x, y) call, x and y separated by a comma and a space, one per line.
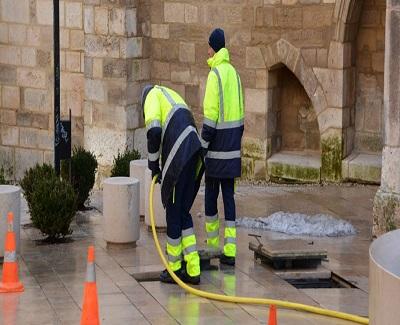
point(334, 281)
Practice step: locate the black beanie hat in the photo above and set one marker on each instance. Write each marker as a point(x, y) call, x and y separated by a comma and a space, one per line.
point(217, 39)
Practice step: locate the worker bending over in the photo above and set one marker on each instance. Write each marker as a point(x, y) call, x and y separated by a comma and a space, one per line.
point(172, 137)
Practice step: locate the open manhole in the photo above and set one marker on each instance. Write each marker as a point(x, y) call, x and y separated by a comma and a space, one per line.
point(331, 281)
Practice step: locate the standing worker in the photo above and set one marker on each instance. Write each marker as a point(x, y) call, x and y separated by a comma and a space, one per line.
point(221, 140)
point(172, 134)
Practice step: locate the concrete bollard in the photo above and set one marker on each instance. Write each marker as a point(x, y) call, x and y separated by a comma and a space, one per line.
point(159, 212)
point(137, 169)
point(10, 201)
point(121, 197)
point(384, 279)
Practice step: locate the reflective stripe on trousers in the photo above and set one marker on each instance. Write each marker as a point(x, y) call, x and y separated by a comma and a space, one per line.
point(174, 251)
point(190, 253)
point(212, 229)
point(230, 239)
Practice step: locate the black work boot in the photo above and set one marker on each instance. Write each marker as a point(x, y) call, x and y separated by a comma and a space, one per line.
point(227, 260)
point(185, 277)
point(166, 278)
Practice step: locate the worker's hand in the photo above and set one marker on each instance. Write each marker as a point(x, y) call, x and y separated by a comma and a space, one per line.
point(156, 172)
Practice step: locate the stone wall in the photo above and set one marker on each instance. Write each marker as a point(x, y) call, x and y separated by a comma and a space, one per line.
point(26, 79)
point(116, 65)
point(370, 47)
point(120, 45)
point(260, 34)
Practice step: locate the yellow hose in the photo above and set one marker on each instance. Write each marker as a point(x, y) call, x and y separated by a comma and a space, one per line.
point(245, 300)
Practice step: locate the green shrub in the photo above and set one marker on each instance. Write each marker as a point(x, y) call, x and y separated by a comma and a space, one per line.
point(83, 174)
point(52, 206)
point(33, 176)
point(121, 162)
point(2, 177)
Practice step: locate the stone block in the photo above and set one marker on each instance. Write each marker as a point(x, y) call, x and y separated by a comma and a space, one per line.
point(330, 118)
point(131, 22)
point(105, 143)
point(292, 167)
point(115, 68)
point(77, 40)
point(131, 47)
point(254, 58)
point(260, 170)
point(117, 21)
point(339, 55)
point(74, 103)
point(187, 52)
point(10, 55)
point(44, 12)
point(191, 14)
point(261, 78)
point(15, 11)
point(101, 20)
point(317, 16)
point(160, 70)
point(160, 31)
point(362, 168)
point(73, 15)
point(254, 148)
point(139, 70)
point(247, 169)
point(180, 74)
point(332, 83)
point(256, 100)
point(310, 56)
point(8, 117)
point(174, 12)
point(17, 34)
point(97, 68)
point(88, 20)
point(287, 17)
point(386, 212)
point(102, 46)
point(121, 200)
point(9, 135)
point(3, 33)
point(25, 159)
point(31, 78)
point(28, 56)
point(94, 90)
point(73, 61)
point(37, 100)
point(10, 97)
point(322, 58)
point(390, 169)
point(378, 62)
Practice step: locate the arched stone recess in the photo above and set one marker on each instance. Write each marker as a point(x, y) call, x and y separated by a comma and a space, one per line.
point(346, 18)
point(282, 55)
point(357, 49)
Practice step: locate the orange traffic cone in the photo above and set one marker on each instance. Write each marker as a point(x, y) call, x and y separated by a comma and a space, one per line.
point(10, 281)
point(90, 310)
point(272, 315)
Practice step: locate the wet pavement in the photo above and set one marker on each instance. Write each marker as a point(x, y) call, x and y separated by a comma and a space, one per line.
point(54, 275)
